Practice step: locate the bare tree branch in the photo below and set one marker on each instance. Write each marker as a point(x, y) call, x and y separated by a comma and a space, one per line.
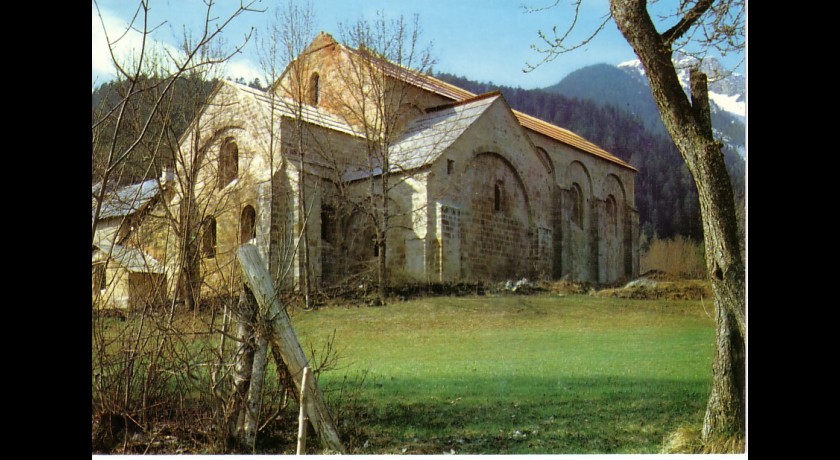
point(688, 20)
point(556, 45)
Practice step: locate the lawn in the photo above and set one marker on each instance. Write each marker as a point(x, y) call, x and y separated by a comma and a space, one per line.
point(515, 374)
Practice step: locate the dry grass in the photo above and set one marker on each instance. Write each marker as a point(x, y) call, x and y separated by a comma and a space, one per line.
point(681, 257)
point(732, 445)
point(565, 287)
point(688, 440)
point(647, 288)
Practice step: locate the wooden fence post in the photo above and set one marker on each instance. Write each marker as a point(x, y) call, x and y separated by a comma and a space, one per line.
point(283, 337)
point(302, 418)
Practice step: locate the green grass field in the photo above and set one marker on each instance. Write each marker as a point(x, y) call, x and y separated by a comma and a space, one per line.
point(515, 374)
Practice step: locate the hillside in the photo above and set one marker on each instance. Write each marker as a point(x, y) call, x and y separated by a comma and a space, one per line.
point(665, 193)
point(165, 126)
point(626, 87)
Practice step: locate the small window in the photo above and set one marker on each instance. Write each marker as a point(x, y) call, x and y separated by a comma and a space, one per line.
point(228, 162)
point(247, 225)
point(314, 89)
point(497, 197)
point(208, 245)
point(375, 248)
point(450, 166)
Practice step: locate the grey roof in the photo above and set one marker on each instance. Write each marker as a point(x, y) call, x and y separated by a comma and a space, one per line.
point(429, 135)
point(126, 200)
point(132, 259)
point(286, 107)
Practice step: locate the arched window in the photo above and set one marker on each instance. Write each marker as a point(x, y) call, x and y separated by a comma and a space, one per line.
point(497, 196)
point(247, 225)
point(576, 199)
point(314, 89)
point(208, 242)
point(543, 156)
point(228, 162)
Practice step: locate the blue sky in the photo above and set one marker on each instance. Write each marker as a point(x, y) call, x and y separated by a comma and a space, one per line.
point(484, 40)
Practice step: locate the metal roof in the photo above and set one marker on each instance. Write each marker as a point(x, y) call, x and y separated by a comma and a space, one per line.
point(428, 136)
point(286, 107)
point(127, 200)
point(131, 259)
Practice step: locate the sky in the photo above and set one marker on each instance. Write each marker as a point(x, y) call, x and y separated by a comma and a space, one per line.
point(483, 40)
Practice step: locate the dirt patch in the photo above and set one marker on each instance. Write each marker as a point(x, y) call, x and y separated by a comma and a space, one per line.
point(659, 275)
point(660, 285)
point(563, 287)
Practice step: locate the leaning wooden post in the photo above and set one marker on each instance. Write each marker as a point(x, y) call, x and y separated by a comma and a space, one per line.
point(282, 336)
point(302, 419)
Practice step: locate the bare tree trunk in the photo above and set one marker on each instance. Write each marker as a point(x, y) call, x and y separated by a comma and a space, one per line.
point(728, 385)
point(190, 273)
point(254, 403)
point(725, 413)
point(302, 218)
point(689, 125)
point(244, 361)
point(382, 233)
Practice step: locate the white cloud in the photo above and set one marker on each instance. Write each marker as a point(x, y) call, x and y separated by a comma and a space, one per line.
point(103, 68)
point(244, 68)
point(126, 47)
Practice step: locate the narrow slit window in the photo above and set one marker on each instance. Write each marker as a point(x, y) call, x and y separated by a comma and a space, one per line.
point(314, 89)
point(209, 242)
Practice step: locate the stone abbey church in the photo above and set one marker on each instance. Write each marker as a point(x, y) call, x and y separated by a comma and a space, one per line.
point(475, 191)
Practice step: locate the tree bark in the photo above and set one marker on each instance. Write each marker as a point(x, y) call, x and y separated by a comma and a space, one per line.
point(725, 416)
point(189, 281)
point(306, 283)
point(689, 125)
point(254, 402)
point(244, 361)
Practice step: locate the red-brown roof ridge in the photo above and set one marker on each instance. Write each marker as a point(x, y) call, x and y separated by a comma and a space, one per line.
point(430, 83)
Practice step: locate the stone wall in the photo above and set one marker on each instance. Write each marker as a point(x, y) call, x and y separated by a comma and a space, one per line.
point(595, 221)
point(491, 207)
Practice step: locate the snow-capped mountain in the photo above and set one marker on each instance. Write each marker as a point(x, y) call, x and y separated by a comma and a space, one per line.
point(727, 95)
point(626, 87)
point(727, 90)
